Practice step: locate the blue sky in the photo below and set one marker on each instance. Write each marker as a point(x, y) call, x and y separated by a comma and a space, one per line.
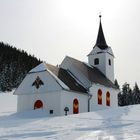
point(52, 29)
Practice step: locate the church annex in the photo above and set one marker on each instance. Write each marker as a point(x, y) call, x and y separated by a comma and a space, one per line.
point(73, 86)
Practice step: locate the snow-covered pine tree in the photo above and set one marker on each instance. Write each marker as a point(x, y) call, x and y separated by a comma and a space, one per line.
point(136, 93)
point(116, 83)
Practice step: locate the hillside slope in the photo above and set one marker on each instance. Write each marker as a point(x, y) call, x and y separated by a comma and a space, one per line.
point(14, 65)
point(114, 124)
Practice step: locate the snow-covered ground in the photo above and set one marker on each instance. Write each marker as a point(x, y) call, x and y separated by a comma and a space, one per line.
point(115, 124)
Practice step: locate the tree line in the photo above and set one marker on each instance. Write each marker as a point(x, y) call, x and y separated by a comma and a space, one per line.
point(14, 65)
point(128, 95)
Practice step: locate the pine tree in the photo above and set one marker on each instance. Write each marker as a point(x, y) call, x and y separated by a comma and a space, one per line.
point(136, 93)
point(116, 83)
point(126, 94)
point(120, 99)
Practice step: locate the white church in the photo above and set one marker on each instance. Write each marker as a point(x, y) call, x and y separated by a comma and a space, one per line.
point(74, 86)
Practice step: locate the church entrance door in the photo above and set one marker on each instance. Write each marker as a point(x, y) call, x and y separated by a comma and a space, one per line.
point(38, 104)
point(75, 106)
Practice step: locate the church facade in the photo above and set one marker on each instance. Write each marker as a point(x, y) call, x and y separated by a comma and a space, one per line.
point(74, 86)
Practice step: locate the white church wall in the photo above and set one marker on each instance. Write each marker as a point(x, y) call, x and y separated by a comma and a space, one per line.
point(110, 68)
point(50, 84)
point(56, 102)
point(67, 98)
point(66, 63)
point(94, 106)
point(24, 103)
point(51, 101)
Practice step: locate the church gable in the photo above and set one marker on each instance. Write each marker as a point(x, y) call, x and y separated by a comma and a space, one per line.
point(39, 82)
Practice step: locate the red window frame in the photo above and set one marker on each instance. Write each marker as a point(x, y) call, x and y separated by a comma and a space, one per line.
point(108, 98)
point(100, 97)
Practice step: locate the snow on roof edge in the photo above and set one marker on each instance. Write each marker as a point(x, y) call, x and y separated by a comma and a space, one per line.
point(63, 85)
point(38, 68)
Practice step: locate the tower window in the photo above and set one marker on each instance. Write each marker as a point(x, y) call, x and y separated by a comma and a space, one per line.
point(96, 61)
point(109, 62)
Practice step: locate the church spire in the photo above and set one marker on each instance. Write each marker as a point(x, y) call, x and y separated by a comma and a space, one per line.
point(101, 42)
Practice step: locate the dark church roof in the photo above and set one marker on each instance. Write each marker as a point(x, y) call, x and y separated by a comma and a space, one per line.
point(66, 78)
point(92, 73)
point(101, 42)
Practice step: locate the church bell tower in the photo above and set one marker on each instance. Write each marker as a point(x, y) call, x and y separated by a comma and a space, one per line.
point(102, 56)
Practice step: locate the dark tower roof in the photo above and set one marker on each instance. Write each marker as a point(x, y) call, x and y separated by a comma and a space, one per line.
point(101, 42)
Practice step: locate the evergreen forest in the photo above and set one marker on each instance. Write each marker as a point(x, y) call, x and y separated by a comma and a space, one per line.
point(14, 65)
point(128, 95)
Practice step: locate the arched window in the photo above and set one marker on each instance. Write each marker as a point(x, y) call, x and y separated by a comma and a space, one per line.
point(108, 99)
point(96, 61)
point(109, 62)
point(38, 104)
point(100, 97)
point(75, 106)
